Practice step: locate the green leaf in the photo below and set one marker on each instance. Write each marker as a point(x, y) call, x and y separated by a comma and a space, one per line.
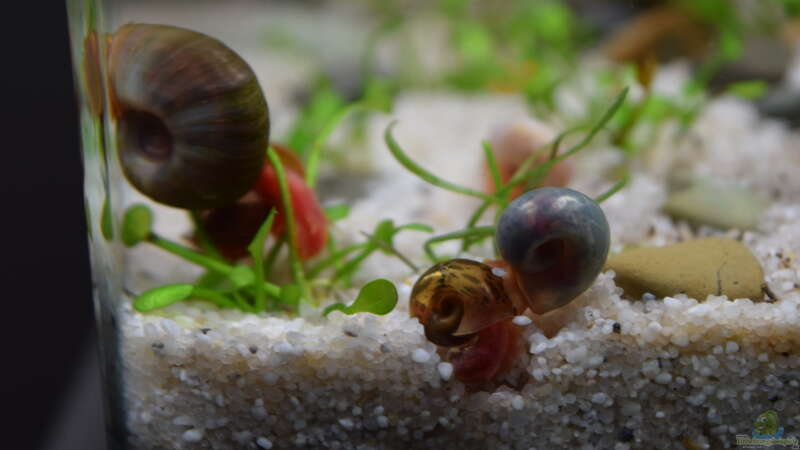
point(492, 163)
point(474, 42)
point(384, 232)
point(376, 297)
point(337, 212)
point(162, 296)
point(416, 227)
point(106, 224)
point(291, 294)
point(291, 225)
point(324, 104)
point(749, 90)
point(136, 225)
point(256, 250)
point(242, 276)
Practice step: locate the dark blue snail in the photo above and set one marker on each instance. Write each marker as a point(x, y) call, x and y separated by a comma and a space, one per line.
point(555, 242)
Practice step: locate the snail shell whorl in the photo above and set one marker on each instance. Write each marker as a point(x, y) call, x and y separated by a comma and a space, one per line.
point(556, 241)
point(192, 121)
point(456, 299)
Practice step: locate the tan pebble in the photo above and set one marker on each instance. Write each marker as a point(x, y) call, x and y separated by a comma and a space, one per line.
point(698, 268)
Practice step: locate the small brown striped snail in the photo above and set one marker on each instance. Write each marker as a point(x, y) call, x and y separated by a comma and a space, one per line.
point(554, 242)
point(457, 298)
point(192, 121)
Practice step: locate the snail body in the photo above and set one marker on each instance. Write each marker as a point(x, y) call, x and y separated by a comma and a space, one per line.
point(312, 229)
point(192, 121)
point(555, 241)
point(233, 227)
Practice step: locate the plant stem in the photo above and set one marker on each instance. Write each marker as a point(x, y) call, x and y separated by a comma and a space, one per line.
point(613, 190)
point(392, 250)
point(191, 255)
point(203, 260)
point(316, 147)
point(424, 174)
point(460, 234)
point(256, 249)
point(291, 226)
point(334, 258)
point(202, 236)
point(213, 296)
point(269, 261)
point(492, 163)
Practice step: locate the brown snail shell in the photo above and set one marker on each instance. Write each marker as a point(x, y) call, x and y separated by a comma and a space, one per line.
point(192, 121)
point(456, 299)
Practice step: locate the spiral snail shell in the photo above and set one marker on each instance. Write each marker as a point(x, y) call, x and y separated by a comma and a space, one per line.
point(456, 299)
point(555, 242)
point(192, 121)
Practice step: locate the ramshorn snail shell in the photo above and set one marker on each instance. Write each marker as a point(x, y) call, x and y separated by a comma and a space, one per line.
point(456, 299)
point(555, 241)
point(192, 121)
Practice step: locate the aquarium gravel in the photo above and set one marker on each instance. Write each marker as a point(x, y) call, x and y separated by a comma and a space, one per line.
point(653, 373)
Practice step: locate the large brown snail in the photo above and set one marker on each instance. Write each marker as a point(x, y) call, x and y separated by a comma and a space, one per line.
point(192, 121)
point(554, 242)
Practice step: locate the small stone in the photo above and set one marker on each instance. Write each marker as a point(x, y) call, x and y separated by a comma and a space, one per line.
point(445, 370)
point(723, 206)
point(346, 423)
point(521, 321)
point(264, 443)
point(420, 355)
point(517, 402)
point(663, 378)
point(193, 435)
point(697, 268)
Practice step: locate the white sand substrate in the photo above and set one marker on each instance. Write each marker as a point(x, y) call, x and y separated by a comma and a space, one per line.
point(662, 373)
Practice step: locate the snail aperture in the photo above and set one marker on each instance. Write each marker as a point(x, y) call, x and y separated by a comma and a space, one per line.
point(555, 241)
point(192, 121)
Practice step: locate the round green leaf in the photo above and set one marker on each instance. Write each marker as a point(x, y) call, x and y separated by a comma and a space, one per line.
point(136, 224)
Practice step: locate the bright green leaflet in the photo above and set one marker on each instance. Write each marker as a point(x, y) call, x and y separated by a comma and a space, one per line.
point(376, 297)
point(136, 224)
point(336, 213)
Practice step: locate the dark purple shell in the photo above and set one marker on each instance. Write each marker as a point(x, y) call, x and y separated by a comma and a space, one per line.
point(556, 241)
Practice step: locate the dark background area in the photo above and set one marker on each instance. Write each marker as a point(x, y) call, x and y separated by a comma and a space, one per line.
point(47, 317)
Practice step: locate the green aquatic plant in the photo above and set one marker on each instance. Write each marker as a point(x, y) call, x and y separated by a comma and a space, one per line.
point(245, 286)
point(527, 174)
